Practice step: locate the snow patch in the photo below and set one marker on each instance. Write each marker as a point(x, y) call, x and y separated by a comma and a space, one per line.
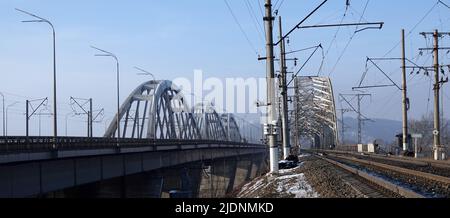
point(295, 185)
point(287, 183)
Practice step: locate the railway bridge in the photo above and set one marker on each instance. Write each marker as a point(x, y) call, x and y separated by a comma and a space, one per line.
point(314, 114)
point(160, 134)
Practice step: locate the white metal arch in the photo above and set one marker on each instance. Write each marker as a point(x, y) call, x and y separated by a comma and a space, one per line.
point(158, 110)
point(316, 109)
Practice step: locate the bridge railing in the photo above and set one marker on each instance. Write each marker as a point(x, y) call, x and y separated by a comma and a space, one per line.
point(35, 144)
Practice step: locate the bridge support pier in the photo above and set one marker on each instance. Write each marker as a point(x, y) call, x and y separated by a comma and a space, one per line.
point(216, 178)
point(134, 174)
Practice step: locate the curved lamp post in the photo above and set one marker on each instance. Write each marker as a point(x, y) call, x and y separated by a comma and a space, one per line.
point(109, 54)
point(144, 72)
point(7, 108)
point(3, 112)
point(43, 20)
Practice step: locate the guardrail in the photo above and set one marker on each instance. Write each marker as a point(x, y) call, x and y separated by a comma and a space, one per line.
point(13, 144)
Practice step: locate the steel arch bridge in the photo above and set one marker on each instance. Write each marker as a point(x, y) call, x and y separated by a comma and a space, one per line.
point(315, 111)
point(158, 110)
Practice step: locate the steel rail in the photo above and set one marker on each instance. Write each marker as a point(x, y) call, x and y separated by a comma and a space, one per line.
point(376, 180)
point(421, 162)
point(397, 169)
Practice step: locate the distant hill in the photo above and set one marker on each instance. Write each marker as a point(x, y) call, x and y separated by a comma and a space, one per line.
point(379, 129)
point(383, 129)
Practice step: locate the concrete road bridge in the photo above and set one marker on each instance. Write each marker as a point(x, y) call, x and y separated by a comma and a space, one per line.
point(157, 132)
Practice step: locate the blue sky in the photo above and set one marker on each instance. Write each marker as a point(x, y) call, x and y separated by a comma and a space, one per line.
point(171, 38)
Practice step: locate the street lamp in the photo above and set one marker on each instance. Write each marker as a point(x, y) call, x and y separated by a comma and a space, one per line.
point(144, 72)
point(3, 111)
point(109, 54)
point(40, 114)
point(7, 108)
point(66, 118)
point(55, 116)
point(106, 124)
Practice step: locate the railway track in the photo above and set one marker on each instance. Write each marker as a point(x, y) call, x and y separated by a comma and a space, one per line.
point(405, 170)
point(360, 185)
point(405, 181)
point(441, 168)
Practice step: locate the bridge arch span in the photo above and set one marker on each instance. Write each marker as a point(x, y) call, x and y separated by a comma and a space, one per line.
point(158, 110)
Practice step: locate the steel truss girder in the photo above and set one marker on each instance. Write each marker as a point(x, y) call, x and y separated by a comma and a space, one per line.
point(316, 108)
point(158, 110)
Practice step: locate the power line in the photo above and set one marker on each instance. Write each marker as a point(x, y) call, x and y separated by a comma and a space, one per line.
point(260, 8)
point(254, 19)
point(331, 15)
point(337, 31)
point(306, 62)
point(407, 36)
point(255, 16)
point(279, 6)
point(349, 41)
point(276, 3)
point(385, 107)
point(443, 3)
point(358, 13)
point(241, 28)
point(414, 28)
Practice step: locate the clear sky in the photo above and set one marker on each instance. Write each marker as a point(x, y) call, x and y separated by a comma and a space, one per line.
point(172, 38)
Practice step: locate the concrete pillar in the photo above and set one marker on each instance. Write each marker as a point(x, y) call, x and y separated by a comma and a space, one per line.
point(218, 178)
point(232, 165)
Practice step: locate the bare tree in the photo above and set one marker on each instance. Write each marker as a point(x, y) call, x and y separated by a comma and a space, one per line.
point(425, 127)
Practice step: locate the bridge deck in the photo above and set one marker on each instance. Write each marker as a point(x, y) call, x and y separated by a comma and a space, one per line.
point(19, 149)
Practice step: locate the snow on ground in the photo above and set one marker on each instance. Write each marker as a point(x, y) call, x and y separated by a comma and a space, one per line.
point(295, 185)
point(288, 183)
point(291, 183)
point(252, 187)
point(303, 155)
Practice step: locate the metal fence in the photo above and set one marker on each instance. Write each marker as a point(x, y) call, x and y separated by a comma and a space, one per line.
point(35, 144)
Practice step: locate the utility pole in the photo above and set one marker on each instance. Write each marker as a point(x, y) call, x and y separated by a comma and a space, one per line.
point(405, 100)
point(28, 115)
point(361, 117)
point(271, 127)
point(343, 126)
point(297, 115)
point(3, 112)
point(88, 112)
point(437, 125)
point(27, 118)
point(439, 151)
point(40, 115)
point(284, 99)
point(228, 127)
point(359, 120)
point(7, 108)
point(343, 111)
point(403, 88)
point(91, 119)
